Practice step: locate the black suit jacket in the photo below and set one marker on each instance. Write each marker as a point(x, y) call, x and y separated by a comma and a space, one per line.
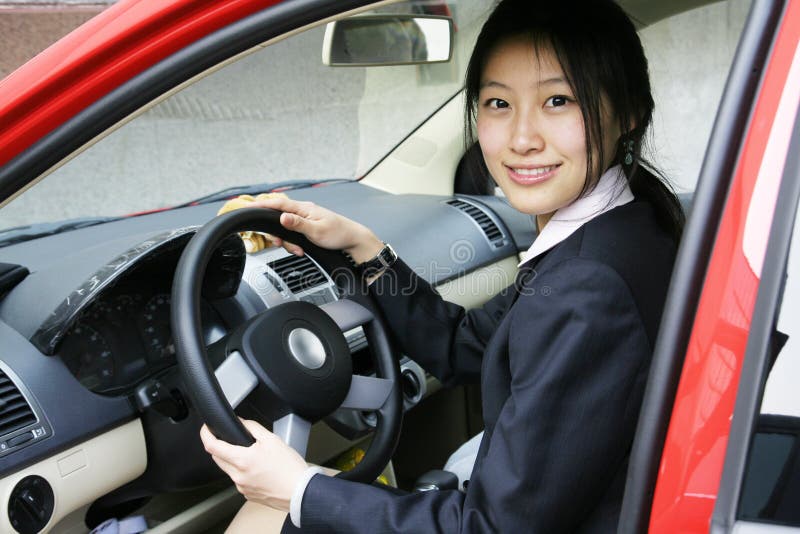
point(562, 357)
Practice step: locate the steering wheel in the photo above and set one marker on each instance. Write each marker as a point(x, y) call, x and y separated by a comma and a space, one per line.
point(292, 361)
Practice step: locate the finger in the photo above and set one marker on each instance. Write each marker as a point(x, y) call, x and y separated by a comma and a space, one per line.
point(292, 248)
point(206, 436)
point(231, 470)
point(228, 468)
point(210, 443)
point(293, 221)
point(296, 224)
point(258, 431)
point(217, 447)
point(276, 241)
point(284, 204)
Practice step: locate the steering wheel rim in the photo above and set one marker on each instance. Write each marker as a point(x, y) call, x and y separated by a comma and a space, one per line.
point(203, 387)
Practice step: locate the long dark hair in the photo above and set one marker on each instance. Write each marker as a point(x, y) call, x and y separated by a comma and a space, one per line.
point(601, 55)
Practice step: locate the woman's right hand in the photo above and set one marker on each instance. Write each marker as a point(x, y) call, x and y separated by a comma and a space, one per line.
point(324, 228)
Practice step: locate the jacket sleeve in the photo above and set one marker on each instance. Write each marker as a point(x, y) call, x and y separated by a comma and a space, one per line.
point(578, 357)
point(446, 340)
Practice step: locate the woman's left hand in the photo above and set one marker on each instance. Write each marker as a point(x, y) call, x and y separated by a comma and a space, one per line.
point(266, 472)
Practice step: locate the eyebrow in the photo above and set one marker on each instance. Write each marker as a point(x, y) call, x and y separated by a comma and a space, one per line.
point(555, 80)
point(494, 84)
point(549, 81)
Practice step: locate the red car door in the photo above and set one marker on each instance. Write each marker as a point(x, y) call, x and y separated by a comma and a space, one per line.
point(707, 369)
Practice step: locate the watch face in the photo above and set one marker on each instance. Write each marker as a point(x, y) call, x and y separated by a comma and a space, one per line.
point(385, 258)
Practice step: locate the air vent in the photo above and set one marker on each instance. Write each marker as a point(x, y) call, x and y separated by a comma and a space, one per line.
point(298, 272)
point(15, 412)
point(490, 229)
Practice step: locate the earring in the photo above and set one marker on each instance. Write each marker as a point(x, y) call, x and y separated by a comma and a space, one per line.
point(627, 146)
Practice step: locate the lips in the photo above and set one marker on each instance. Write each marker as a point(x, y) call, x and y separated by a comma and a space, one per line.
point(532, 175)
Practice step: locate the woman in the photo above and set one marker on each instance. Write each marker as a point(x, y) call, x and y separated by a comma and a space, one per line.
point(560, 98)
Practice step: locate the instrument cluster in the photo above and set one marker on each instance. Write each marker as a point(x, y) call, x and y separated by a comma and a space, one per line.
point(126, 336)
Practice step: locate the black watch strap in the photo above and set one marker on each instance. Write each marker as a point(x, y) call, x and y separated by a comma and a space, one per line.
point(382, 261)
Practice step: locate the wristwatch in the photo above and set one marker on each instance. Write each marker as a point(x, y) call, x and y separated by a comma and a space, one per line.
point(382, 261)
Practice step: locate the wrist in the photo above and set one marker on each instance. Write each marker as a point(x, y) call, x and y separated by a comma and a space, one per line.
point(365, 249)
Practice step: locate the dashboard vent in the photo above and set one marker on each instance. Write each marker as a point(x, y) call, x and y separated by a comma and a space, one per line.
point(490, 229)
point(298, 272)
point(15, 412)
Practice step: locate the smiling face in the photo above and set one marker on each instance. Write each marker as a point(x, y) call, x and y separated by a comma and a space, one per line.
point(531, 129)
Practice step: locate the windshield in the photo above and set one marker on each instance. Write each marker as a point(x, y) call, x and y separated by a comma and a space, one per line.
point(276, 115)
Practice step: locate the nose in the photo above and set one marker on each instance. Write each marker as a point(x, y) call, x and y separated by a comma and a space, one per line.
point(526, 135)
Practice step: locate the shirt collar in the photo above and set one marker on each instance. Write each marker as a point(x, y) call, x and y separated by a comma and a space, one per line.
point(606, 196)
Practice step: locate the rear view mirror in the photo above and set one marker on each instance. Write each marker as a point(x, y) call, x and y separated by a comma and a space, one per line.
point(370, 40)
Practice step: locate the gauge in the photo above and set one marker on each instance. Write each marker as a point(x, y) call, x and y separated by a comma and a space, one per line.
point(123, 309)
point(87, 354)
point(156, 328)
point(99, 311)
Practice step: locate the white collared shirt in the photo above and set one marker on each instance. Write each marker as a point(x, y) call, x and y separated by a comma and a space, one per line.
point(607, 195)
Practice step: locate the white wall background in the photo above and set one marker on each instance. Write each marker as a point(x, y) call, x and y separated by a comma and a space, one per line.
point(689, 57)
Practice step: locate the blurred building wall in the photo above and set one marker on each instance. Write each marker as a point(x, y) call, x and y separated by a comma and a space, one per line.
point(27, 27)
point(689, 56)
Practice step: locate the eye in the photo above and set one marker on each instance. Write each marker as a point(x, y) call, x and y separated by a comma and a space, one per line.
point(557, 101)
point(496, 103)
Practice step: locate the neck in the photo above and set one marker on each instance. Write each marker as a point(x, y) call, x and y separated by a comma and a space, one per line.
point(543, 219)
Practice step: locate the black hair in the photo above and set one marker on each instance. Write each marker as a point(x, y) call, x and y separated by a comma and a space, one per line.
point(602, 58)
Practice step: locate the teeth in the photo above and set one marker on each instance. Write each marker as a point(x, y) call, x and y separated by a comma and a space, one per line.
point(535, 172)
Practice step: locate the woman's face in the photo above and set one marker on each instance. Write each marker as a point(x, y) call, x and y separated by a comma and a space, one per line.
point(530, 129)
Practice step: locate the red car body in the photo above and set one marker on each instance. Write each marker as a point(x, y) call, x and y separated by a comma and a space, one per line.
point(134, 35)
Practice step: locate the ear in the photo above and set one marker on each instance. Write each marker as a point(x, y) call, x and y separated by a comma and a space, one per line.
point(626, 127)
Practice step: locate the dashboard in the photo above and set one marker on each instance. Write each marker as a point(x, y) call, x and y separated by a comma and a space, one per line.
point(86, 336)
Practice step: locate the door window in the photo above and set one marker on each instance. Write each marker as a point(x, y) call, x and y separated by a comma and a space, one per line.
point(771, 488)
